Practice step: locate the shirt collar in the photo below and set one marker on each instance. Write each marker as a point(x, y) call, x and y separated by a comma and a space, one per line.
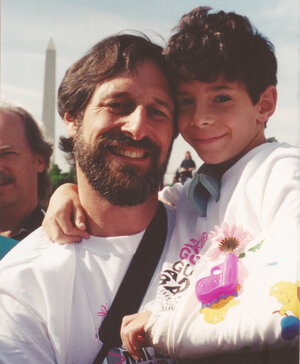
point(29, 223)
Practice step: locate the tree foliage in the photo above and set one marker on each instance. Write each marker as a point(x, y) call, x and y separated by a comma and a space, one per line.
point(58, 177)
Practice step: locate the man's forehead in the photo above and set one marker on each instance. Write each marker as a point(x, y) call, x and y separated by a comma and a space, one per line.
point(130, 83)
point(12, 129)
point(10, 117)
point(137, 73)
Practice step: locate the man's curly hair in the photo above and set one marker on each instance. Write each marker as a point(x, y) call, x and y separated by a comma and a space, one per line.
point(208, 45)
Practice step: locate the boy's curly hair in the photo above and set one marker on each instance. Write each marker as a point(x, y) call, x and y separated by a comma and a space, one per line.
point(206, 46)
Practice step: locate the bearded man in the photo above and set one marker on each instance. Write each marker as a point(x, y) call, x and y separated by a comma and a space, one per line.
point(117, 105)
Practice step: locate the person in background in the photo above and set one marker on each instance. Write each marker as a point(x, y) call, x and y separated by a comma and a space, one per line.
point(24, 180)
point(176, 177)
point(187, 167)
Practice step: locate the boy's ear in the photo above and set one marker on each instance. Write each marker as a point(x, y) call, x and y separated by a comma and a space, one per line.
point(70, 124)
point(267, 104)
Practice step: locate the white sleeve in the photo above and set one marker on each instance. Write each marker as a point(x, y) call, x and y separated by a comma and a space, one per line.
point(23, 334)
point(265, 314)
point(172, 194)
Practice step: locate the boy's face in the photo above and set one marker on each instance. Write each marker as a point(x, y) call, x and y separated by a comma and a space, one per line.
point(218, 119)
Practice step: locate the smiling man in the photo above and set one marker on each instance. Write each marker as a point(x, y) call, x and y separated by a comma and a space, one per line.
point(117, 105)
point(24, 179)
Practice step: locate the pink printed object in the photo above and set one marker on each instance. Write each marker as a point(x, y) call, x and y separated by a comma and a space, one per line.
point(222, 280)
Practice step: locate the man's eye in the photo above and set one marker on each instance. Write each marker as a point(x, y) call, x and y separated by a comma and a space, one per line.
point(222, 98)
point(157, 112)
point(120, 107)
point(7, 154)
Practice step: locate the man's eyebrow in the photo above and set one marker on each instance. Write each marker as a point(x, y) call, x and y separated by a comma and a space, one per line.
point(5, 147)
point(118, 94)
point(163, 102)
point(156, 99)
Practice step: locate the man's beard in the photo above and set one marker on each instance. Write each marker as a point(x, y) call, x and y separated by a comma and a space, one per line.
point(120, 183)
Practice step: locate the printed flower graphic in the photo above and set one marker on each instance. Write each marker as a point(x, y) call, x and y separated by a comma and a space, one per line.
point(103, 311)
point(228, 239)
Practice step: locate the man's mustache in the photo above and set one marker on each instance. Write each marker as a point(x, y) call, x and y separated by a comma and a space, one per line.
point(119, 139)
point(5, 179)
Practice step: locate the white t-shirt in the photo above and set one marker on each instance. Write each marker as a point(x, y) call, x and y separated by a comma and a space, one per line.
point(54, 297)
point(259, 207)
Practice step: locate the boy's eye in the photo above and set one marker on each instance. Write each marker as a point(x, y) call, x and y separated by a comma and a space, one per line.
point(185, 102)
point(222, 98)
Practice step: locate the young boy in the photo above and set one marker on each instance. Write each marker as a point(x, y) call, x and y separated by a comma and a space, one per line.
point(236, 221)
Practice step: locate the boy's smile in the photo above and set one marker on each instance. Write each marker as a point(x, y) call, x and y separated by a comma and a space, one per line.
point(219, 119)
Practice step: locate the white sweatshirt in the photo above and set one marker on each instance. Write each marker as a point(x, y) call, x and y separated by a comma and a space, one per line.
point(54, 297)
point(259, 207)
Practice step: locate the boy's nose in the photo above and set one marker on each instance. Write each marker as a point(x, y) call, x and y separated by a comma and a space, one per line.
point(202, 118)
point(136, 124)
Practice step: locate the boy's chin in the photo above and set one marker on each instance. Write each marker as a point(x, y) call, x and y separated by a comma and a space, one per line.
point(214, 159)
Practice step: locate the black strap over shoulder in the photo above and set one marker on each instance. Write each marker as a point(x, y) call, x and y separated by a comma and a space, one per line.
point(135, 283)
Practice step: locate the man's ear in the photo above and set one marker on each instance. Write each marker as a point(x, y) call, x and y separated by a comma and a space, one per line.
point(70, 124)
point(267, 104)
point(41, 164)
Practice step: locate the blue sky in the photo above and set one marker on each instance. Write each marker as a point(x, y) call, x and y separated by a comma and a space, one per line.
point(76, 25)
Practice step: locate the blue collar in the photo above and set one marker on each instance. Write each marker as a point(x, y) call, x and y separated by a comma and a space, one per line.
point(207, 183)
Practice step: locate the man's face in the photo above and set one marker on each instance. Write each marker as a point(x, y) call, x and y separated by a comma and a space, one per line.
point(218, 119)
point(19, 167)
point(123, 142)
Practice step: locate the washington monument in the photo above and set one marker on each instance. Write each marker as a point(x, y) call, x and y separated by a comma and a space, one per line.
point(48, 115)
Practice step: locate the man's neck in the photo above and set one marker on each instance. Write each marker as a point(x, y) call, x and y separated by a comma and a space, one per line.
point(105, 219)
point(11, 217)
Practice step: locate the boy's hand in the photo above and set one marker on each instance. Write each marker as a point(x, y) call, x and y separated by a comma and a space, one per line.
point(133, 332)
point(64, 221)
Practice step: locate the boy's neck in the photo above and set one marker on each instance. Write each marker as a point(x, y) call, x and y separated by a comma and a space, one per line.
point(222, 167)
point(230, 162)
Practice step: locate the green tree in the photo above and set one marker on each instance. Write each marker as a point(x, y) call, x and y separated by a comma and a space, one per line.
point(58, 177)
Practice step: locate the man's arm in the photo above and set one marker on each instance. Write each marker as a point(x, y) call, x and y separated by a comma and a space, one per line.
point(23, 334)
point(36, 295)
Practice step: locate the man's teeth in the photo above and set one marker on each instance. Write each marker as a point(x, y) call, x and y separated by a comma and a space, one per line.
point(131, 153)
